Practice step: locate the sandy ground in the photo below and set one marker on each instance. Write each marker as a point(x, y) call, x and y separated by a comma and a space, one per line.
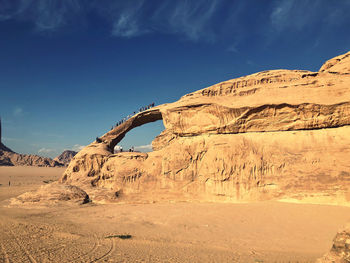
point(161, 232)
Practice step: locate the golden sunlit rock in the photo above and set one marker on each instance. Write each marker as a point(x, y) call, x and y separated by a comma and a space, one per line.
point(273, 135)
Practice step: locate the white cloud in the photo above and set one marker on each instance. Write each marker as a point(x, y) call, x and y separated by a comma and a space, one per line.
point(77, 147)
point(143, 148)
point(46, 150)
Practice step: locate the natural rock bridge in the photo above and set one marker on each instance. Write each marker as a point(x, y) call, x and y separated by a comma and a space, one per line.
point(257, 137)
point(113, 137)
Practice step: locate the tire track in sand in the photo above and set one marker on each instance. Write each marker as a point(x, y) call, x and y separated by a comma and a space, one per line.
point(10, 247)
point(89, 254)
point(108, 253)
point(19, 243)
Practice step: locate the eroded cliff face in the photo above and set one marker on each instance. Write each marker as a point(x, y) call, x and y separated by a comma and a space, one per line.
point(281, 134)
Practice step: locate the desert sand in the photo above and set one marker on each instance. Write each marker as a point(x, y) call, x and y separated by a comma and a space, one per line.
point(160, 232)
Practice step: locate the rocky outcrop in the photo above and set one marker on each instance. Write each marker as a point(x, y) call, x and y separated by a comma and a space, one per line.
point(340, 251)
point(65, 157)
point(337, 65)
point(53, 192)
point(4, 148)
point(4, 160)
point(278, 134)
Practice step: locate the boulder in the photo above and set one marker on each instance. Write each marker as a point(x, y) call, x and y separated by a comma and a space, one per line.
point(53, 192)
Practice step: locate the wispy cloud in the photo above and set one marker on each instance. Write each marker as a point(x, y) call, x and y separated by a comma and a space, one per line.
point(46, 15)
point(47, 151)
point(280, 14)
point(77, 147)
point(144, 148)
point(56, 151)
point(127, 19)
point(193, 19)
point(125, 26)
point(17, 111)
point(296, 15)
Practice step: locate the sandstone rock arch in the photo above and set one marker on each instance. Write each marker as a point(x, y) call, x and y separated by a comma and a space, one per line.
point(262, 136)
point(113, 137)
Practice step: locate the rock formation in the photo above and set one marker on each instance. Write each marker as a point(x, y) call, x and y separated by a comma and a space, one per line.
point(10, 158)
point(277, 134)
point(53, 192)
point(65, 157)
point(340, 251)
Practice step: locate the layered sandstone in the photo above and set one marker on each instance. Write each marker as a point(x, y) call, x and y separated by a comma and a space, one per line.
point(278, 134)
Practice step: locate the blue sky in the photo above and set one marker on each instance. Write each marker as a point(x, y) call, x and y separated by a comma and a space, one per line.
point(70, 69)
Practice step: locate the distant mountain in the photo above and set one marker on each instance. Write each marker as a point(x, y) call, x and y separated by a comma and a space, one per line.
point(4, 159)
point(11, 158)
point(65, 157)
point(4, 148)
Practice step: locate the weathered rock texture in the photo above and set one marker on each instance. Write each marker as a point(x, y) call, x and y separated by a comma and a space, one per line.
point(52, 193)
point(278, 134)
point(340, 251)
point(65, 157)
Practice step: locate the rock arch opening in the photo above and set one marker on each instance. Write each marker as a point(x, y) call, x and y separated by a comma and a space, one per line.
point(113, 137)
point(140, 139)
